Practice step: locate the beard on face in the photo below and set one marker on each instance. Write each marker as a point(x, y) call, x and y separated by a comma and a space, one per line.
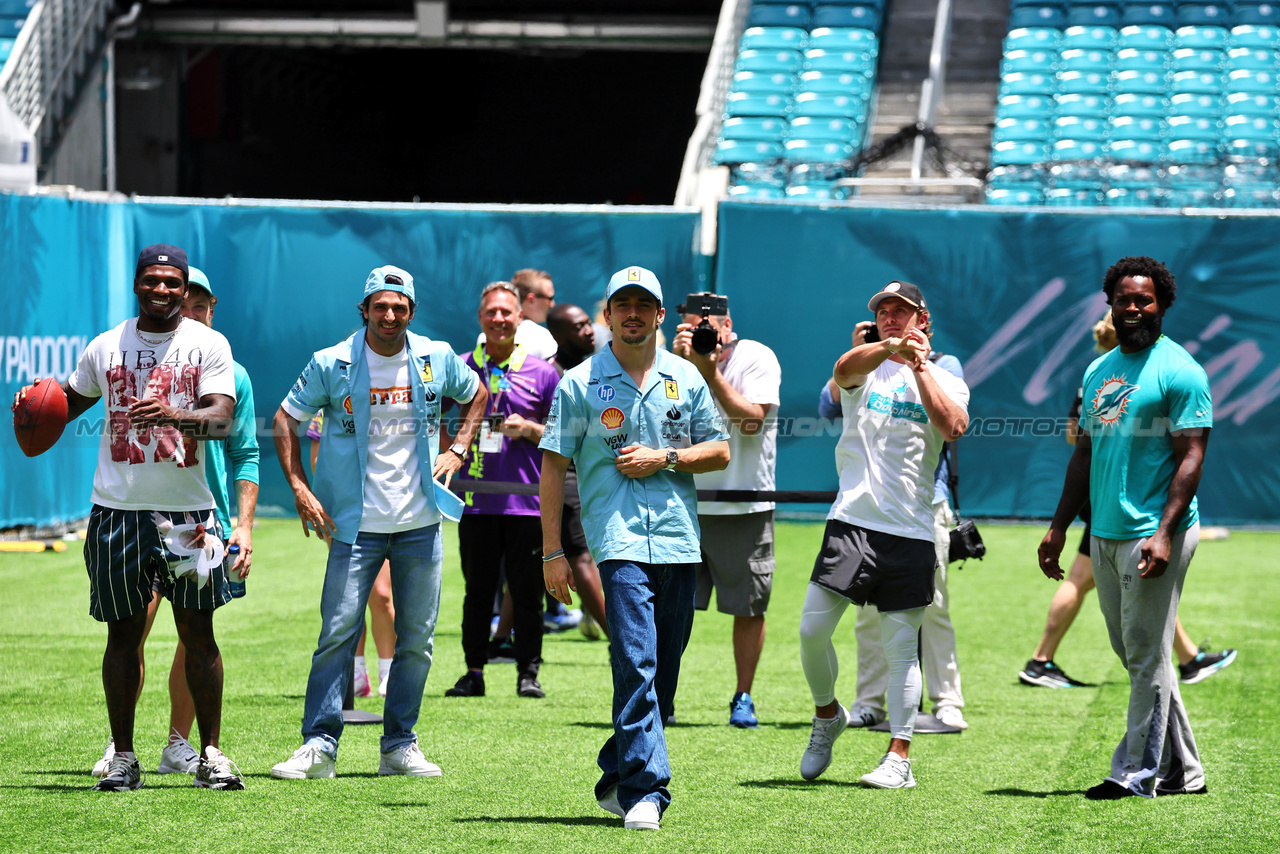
point(1141, 336)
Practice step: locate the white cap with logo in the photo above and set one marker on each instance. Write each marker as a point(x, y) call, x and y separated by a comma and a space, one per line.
point(634, 277)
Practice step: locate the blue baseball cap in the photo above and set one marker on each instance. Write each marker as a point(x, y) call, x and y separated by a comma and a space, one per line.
point(196, 276)
point(377, 281)
point(634, 277)
point(161, 253)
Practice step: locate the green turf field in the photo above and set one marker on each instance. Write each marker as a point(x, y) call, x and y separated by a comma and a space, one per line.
point(518, 774)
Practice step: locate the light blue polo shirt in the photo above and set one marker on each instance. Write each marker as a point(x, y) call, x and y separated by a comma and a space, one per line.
point(1132, 402)
point(597, 410)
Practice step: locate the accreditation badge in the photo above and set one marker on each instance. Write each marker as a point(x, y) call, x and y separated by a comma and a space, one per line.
point(490, 439)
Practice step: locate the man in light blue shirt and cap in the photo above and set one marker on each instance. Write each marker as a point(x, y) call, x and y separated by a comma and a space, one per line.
point(374, 497)
point(638, 423)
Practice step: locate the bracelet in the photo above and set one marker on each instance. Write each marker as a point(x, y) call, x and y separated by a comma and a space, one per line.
point(555, 554)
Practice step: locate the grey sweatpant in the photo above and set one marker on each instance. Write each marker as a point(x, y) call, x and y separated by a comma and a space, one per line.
point(1158, 747)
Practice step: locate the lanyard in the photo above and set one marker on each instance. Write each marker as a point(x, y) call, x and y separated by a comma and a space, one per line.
point(497, 376)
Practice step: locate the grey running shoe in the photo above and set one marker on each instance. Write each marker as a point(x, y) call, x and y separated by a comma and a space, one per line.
point(216, 771)
point(100, 767)
point(1046, 674)
point(178, 757)
point(864, 716)
point(893, 772)
point(122, 775)
point(1204, 665)
point(817, 756)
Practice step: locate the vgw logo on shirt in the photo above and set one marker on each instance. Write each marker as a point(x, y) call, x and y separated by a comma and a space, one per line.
point(1112, 400)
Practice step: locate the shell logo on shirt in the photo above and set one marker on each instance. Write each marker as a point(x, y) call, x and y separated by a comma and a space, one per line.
point(346, 405)
point(612, 418)
point(1112, 400)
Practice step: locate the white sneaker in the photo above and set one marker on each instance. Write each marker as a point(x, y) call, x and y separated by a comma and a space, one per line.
point(360, 684)
point(178, 757)
point(216, 771)
point(589, 627)
point(863, 716)
point(817, 756)
point(893, 772)
point(950, 715)
point(307, 762)
point(643, 816)
point(382, 685)
point(609, 803)
point(100, 767)
point(407, 760)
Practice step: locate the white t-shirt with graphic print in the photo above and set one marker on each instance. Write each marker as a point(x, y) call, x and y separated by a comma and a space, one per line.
point(154, 468)
point(393, 496)
point(888, 451)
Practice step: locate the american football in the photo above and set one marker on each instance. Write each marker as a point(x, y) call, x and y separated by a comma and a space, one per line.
point(40, 417)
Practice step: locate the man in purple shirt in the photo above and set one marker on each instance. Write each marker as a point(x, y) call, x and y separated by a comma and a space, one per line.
point(500, 530)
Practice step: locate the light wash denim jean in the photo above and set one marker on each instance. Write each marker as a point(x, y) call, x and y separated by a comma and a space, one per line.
point(650, 612)
point(416, 557)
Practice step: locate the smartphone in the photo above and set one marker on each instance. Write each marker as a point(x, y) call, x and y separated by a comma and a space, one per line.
point(873, 334)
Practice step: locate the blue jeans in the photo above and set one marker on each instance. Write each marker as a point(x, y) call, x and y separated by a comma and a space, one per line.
point(416, 557)
point(650, 612)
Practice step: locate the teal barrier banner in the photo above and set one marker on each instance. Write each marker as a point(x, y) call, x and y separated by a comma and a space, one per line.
point(1015, 297)
point(288, 280)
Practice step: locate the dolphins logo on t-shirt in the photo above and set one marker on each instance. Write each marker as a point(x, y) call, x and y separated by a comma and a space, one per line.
point(1111, 400)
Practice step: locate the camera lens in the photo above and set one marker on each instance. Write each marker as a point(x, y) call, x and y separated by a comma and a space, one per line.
point(705, 339)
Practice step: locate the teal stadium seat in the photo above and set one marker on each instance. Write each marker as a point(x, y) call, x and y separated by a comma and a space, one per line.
point(1142, 59)
point(1143, 197)
point(757, 104)
point(1028, 83)
point(1024, 106)
point(767, 61)
point(1019, 130)
point(731, 152)
point(1073, 198)
point(6, 48)
point(1077, 149)
point(1254, 35)
point(1135, 150)
point(1192, 151)
point(1146, 14)
point(1089, 38)
point(1140, 104)
point(1133, 175)
point(780, 82)
point(1139, 82)
point(1155, 36)
point(773, 38)
point(1198, 59)
point(1084, 104)
point(825, 129)
point(1194, 127)
point(1016, 61)
point(844, 38)
point(1032, 38)
point(1014, 197)
point(1138, 127)
point(835, 82)
point(753, 127)
point(1250, 136)
point(823, 191)
point(1037, 16)
point(1193, 196)
point(1195, 82)
point(1083, 82)
point(769, 15)
point(11, 25)
point(1082, 128)
point(1195, 104)
point(1203, 15)
point(757, 191)
point(821, 59)
point(1018, 153)
point(1014, 177)
point(1093, 15)
point(1251, 104)
point(1086, 60)
point(864, 17)
point(818, 151)
point(1255, 58)
point(1201, 36)
point(1255, 81)
point(1255, 14)
point(830, 104)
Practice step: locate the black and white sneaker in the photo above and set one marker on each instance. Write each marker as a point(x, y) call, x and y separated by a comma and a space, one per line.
point(1046, 674)
point(216, 771)
point(122, 775)
point(1204, 665)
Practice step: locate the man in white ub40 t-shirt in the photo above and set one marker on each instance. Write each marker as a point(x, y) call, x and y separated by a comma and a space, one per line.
point(168, 384)
point(899, 409)
point(381, 391)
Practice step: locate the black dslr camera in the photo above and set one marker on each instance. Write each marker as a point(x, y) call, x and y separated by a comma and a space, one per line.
point(705, 336)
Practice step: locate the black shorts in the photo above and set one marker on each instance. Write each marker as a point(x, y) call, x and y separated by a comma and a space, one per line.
point(869, 567)
point(127, 561)
point(572, 538)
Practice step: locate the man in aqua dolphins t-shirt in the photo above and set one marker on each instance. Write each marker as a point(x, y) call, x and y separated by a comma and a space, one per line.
point(1144, 428)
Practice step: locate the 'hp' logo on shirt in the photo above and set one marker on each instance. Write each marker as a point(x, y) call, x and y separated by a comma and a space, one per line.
point(606, 393)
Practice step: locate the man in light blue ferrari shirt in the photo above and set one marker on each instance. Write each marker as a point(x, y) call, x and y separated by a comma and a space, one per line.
point(638, 423)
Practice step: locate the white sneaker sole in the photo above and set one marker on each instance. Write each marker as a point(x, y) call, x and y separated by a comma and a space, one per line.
point(870, 782)
point(290, 774)
point(1043, 681)
point(1205, 672)
point(391, 771)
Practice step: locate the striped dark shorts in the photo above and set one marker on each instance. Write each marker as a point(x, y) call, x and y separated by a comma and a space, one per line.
point(126, 560)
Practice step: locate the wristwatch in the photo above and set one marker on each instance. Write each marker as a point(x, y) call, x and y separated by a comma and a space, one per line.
point(459, 449)
point(672, 459)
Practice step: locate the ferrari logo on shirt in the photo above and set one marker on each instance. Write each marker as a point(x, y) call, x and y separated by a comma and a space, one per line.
point(673, 390)
point(426, 372)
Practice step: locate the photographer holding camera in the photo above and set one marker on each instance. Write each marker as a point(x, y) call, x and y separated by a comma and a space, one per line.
point(878, 548)
point(737, 537)
point(495, 529)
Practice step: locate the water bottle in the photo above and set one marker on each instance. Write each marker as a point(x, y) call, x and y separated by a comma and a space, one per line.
point(234, 582)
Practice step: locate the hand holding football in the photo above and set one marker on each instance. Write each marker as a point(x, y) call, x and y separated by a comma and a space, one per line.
point(39, 416)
